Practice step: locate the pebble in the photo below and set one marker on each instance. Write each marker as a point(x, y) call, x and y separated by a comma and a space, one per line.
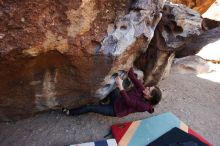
point(2, 35)
point(22, 19)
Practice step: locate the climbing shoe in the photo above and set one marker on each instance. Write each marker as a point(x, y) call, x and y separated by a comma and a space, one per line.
point(66, 111)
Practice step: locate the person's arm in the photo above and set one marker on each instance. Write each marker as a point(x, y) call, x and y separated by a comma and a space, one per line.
point(134, 80)
point(123, 93)
point(119, 82)
point(140, 106)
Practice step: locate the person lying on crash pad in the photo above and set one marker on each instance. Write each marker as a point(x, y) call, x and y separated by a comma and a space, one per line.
point(122, 103)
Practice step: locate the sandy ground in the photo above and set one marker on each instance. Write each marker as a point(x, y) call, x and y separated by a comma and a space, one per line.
point(194, 100)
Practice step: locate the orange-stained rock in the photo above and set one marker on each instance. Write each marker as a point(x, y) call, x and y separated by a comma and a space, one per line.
point(59, 53)
point(199, 5)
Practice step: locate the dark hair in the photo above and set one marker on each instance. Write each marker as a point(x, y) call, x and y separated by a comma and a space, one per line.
point(156, 96)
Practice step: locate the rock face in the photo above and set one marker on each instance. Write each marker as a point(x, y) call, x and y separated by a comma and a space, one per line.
point(178, 26)
point(131, 36)
point(206, 44)
point(199, 5)
point(211, 25)
point(66, 54)
point(61, 53)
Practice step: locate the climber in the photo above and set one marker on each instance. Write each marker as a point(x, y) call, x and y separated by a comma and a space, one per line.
point(122, 103)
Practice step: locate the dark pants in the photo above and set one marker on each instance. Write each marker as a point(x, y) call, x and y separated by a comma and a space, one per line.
point(107, 109)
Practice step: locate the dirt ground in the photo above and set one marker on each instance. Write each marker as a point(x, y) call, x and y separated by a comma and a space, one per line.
point(194, 100)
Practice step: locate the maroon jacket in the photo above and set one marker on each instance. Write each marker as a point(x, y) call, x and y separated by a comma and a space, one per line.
point(133, 101)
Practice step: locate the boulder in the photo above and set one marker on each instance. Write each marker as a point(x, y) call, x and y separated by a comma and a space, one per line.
point(206, 44)
point(65, 54)
point(57, 54)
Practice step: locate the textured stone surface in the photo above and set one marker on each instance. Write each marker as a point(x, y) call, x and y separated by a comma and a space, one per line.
point(208, 41)
point(48, 53)
point(177, 27)
point(199, 5)
point(61, 53)
point(131, 36)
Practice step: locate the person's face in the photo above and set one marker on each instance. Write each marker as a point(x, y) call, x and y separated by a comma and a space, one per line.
point(147, 92)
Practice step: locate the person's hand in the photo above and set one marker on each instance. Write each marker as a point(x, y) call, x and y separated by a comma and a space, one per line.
point(118, 82)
